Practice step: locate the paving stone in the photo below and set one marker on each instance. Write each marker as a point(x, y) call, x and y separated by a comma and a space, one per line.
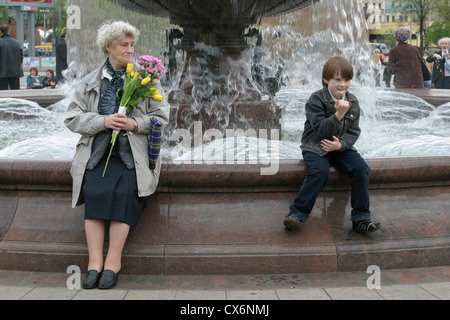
point(200, 295)
point(49, 293)
point(441, 290)
point(97, 294)
point(13, 292)
point(150, 295)
point(405, 292)
point(303, 294)
point(252, 295)
point(353, 293)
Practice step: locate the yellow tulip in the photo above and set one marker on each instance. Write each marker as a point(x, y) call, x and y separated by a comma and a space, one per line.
point(130, 68)
point(158, 97)
point(155, 91)
point(136, 74)
point(145, 81)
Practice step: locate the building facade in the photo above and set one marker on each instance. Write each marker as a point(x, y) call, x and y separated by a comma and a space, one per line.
point(384, 17)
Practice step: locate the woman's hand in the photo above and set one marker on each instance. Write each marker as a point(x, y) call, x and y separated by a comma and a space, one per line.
point(329, 145)
point(118, 121)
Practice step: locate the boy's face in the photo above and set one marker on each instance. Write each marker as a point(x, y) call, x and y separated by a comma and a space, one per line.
point(338, 86)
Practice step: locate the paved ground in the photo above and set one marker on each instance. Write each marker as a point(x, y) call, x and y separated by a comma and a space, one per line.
point(431, 283)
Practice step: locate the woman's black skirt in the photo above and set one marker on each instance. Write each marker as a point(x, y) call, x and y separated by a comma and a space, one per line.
point(113, 197)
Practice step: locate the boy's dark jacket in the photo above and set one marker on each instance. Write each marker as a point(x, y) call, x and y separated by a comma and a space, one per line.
point(322, 123)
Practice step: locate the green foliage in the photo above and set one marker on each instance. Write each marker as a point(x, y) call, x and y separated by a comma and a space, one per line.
point(437, 31)
point(4, 15)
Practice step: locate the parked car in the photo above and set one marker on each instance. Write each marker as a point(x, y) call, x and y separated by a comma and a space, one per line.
point(37, 53)
point(380, 46)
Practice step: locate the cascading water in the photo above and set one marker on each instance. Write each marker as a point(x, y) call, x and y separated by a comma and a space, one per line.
point(393, 123)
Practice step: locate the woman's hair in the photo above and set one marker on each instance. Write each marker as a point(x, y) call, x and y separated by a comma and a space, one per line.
point(402, 34)
point(35, 69)
point(337, 66)
point(112, 31)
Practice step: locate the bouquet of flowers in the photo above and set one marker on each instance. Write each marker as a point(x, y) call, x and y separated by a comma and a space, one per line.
point(138, 85)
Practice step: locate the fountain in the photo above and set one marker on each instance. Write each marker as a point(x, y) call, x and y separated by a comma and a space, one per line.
point(224, 215)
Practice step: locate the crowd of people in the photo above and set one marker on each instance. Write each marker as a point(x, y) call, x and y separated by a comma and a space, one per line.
point(412, 69)
point(34, 81)
point(11, 64)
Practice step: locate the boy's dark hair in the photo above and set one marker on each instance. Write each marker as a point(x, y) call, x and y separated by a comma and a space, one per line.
point(335, 66)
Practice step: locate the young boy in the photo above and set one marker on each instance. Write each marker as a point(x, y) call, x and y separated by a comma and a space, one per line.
point(331, 130)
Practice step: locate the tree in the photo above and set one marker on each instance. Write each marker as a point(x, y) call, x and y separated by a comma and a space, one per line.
point(4, 15)
point(437, 31)
point(443, 10)
point(419, 9)
point(440, 28)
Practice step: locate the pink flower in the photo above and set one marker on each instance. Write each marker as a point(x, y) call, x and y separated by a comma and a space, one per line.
point(146, 58)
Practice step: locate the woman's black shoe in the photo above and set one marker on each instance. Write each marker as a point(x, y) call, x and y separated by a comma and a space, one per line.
point(108, 279)
point(91, 279)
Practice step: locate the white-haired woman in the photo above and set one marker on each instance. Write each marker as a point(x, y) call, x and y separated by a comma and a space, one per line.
point(441, 65)
point(405, 62)
point(120, 196)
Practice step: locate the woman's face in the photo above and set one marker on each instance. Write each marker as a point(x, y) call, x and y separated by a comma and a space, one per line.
point(49, 74)
point(120, 55)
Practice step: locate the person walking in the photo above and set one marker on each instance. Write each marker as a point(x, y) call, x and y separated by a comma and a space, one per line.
point(405, 62)
point(61, 57)
point(11, 59)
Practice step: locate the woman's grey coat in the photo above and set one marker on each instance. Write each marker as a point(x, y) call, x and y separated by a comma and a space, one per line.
point(82, 117)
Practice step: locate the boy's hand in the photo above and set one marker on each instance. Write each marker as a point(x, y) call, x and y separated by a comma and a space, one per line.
point(329, 145)
point(341, 107)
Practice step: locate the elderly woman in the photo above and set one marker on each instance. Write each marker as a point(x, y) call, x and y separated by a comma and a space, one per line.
point(441, 65)
point(405, 62)
point(119, 196)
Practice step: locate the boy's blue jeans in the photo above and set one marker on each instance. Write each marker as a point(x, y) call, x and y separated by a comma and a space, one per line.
point(319, 170)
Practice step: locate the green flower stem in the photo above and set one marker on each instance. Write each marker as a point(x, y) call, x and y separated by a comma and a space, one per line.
point(122, 110)
point(113, 142)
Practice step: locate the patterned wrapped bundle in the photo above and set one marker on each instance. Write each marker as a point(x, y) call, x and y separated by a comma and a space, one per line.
point(154, 145)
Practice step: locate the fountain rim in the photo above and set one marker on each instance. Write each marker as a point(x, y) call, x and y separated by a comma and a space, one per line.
point(25, 174)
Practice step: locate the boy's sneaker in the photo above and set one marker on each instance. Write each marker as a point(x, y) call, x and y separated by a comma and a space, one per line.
point(291, 223)
point(366, 226)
